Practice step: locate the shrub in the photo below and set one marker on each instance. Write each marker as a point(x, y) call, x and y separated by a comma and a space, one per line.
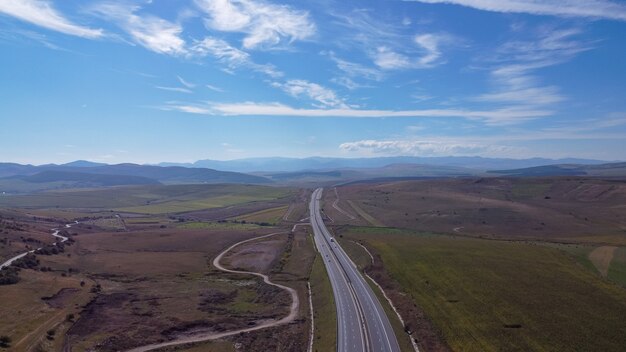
point(5, 341)
point(9, 276)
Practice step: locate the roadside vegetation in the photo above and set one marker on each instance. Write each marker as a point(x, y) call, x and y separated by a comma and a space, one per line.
point(325, 334)
point(486, 295)
point(267, 216)
point(157, 199)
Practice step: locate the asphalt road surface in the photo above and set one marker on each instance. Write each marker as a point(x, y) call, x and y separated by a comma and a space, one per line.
point(362, 325)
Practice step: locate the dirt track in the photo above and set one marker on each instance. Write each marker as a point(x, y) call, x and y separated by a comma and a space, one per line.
point(293, 312)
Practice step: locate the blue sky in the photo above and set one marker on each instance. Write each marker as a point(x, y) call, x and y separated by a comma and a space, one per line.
point(182, 80)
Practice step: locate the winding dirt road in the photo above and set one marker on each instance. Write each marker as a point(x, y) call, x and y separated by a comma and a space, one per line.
point(293, 312)
point(55, 234)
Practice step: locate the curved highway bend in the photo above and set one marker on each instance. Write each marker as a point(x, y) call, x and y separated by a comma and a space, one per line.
point(55, 234)
point(362, 323)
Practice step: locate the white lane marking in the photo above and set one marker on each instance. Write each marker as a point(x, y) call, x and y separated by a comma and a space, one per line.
point(361, 281)
point(317, 223)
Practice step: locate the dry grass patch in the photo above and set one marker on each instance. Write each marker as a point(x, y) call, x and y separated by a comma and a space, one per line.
point(548, 209)
point(601, 258)
point(270, 216)
point(28, 317)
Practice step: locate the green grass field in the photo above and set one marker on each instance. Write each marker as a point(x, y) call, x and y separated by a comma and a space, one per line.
point(520, 191)
point(217, 226)
point(617, 270)
point(149, 199)
point(272, 215)
point(580, 252)
point(476, 292)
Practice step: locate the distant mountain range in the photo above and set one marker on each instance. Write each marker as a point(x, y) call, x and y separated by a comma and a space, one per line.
point(386, 172)
point(17, 178)
point(278, 164)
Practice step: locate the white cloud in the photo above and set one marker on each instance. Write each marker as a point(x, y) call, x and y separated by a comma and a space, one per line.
point(365, 30)
point(387, 59)
point(532, 95)
point(222, 51)
point(566, 8)
point(516, 61)
point(388, 45)
point(43, 14)
point(430, 53)
point(426, 147)
point(185, 83)
point(354, 69)
point(348, 83)
point(322, 95)
point(151, 32)
point(214, 88)
point(552, 46)
point(501, 116)
point(430, 43)
point(232, 57)
point(175, 89)
point(264, 24)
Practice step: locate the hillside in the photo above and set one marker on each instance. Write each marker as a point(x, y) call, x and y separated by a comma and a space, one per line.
point(86, 178)
point(176, 174)
point(393, 171)
point(606, 170)
point(16, 178)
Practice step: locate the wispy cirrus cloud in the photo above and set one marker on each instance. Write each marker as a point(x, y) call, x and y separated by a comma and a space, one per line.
point(353, 72)
point(430, 43)
point(265, 24)
point(41, 13)
point(354, 69)
point(153, 33)
point(175, 89)
point(324, 97)
point(388, 59)
point(214, 88)
point(230, 56)
point(348, 82)
point(604, 9)
point(389, 46)
point(427, 54)
point(515, 63)
point(186, 83)
point(502, 116)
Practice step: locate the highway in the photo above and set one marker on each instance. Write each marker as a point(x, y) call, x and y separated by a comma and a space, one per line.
point(362, 325)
